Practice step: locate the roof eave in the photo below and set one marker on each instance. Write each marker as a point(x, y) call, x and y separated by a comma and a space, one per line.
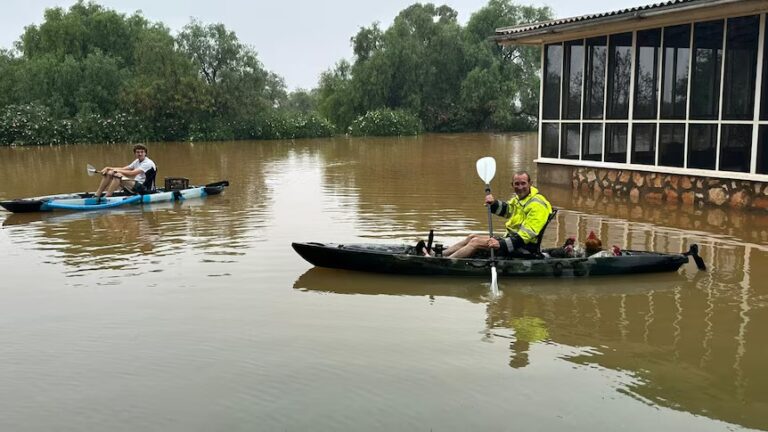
point(538, 36)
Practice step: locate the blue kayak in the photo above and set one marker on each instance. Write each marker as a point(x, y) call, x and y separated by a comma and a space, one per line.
point(86, 201)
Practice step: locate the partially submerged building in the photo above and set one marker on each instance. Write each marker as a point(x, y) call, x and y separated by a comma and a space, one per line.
point(661, 102)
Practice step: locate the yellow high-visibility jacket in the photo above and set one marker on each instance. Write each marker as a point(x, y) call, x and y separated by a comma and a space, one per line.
point(525, 217)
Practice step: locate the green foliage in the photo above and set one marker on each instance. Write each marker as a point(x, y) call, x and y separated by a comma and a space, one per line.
point(452, 78)
point(90, 74)
point(385, 122)
point(301, 101)
point(33, 124)
point(334, 96)
point(271, 127)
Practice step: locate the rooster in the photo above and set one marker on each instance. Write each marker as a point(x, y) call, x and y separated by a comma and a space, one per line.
point(593, 244)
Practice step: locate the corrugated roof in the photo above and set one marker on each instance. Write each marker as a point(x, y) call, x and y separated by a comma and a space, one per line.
point(525, 28)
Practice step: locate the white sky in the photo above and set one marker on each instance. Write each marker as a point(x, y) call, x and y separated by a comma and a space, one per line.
point(297, 39)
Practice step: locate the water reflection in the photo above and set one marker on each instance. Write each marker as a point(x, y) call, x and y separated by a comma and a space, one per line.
point(681, 342)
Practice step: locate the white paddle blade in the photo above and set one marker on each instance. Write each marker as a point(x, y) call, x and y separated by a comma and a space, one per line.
point(486, 169)
point(494, 282)
point(90, 169)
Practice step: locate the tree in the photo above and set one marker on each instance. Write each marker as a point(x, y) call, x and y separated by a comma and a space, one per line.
point(515, 68)
point(334, 95)
point(81, 31)
point(301, 101)
point(239, 85)
point(453, 78)
point(164, 90)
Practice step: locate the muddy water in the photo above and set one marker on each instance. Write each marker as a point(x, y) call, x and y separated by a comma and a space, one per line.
point(199, 316)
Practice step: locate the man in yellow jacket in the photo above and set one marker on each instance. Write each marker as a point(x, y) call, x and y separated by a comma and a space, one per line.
point(526, 215)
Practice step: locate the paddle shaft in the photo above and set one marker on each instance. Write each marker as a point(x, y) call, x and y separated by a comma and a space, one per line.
point(490, 220)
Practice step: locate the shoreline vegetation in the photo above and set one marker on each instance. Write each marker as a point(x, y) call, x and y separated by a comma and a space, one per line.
point(92, 75)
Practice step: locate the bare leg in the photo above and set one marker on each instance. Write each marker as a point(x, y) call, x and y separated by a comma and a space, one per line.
point(113, 185)
point(467, 247)
point(456, 246)
point(103, 185)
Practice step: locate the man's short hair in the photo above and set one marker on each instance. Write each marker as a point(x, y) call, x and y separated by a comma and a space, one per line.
point(525, 173)
point(140, 147)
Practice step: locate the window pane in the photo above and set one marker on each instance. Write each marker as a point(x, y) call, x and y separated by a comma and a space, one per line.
point(619, 68)
point(702, 145)
point(616, 142)
point(550, 140)
point(592, 147)
point(594, 92)
point(644, 144)
point(671, 145)
point(762, 151)
point(735, 148)
point(764, 98)
point(740, 68)
point(646, 76)
point(553, 63)
point(571, 142)
point(574, 74)
point(705, 79)
point(674, 75)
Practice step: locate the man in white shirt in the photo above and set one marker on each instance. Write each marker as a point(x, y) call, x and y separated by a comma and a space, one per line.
point(137, 177)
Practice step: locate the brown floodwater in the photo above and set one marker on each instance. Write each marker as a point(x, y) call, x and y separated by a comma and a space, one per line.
point(198, 316)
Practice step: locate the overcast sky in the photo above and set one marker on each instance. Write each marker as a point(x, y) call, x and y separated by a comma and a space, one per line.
point(297, 39)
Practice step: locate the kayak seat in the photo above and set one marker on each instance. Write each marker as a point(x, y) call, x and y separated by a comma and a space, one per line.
point(148, 186)
point(536, 247)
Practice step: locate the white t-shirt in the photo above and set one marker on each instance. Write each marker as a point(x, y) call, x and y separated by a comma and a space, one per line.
point(144, 166)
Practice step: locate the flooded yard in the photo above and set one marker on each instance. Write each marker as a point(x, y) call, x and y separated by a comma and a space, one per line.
point(199, 316)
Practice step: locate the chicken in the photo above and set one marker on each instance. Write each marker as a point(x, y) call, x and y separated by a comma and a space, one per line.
point(593, 244)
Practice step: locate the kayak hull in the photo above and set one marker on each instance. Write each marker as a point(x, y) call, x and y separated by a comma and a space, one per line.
point(399, 259)
point(86, 201)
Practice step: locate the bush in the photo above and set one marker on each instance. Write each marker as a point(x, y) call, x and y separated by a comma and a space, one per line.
point(279, 126)
point(29, 124)
point(385, 122)
point(33, 124)
point(92, 128)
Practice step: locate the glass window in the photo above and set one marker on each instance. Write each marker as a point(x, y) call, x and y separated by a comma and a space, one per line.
point(619, 69)
point(571, 143)
point(594, 82)
point(553, 64)
point(740, 68)
point(647, 75)
point(616, 142)
point(764, 98)
point(671, 144)
point(550, 140)
point(644, 143)
point(592, 145)
point(674, 75)
point(735, 148)
point(705, 76)
point(574, 75)
point(702, 145)
point(762, 150)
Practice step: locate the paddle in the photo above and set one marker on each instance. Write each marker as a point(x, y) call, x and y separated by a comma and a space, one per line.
point(486, 169)
point(90, 170)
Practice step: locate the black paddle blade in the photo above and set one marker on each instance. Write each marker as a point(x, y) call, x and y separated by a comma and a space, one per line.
point(429, 240)
point(218, 183)
point(693, 252)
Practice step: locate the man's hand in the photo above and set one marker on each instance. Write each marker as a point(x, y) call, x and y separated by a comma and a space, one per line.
point(489, 199)
point(493, 243)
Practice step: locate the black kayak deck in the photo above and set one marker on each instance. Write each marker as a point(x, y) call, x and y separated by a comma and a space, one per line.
point(400, 259)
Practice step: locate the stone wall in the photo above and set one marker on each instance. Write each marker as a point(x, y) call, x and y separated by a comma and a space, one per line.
point(652, 187)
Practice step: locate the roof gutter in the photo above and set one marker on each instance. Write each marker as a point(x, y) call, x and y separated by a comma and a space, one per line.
point(636, 15)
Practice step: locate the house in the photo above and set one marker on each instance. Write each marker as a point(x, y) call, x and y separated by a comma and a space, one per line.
point(665, 102)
